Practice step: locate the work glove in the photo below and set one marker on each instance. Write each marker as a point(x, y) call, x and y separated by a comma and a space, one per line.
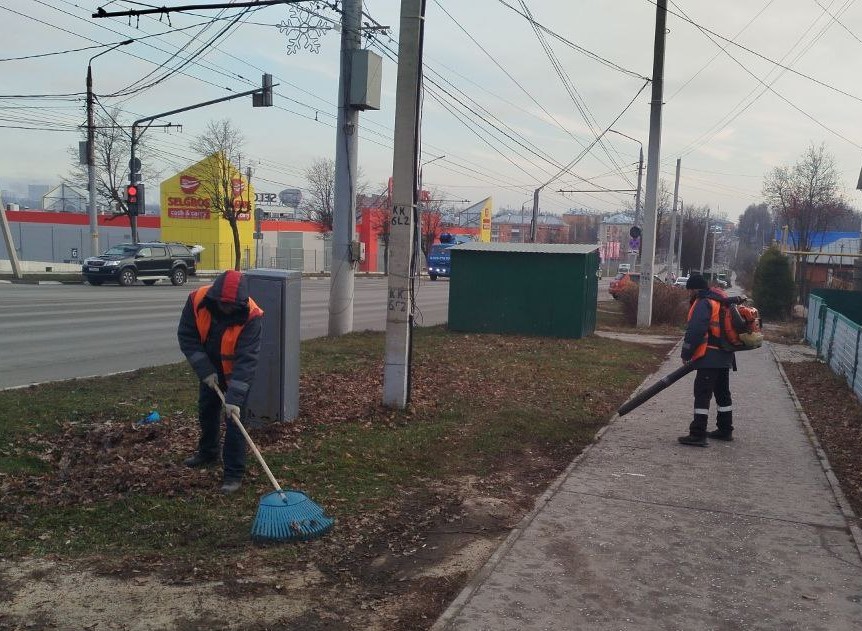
point(211, 380)
point(231, 411)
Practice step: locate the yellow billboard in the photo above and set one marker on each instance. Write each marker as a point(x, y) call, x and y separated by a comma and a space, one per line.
point(485, 220)
point(189, 214)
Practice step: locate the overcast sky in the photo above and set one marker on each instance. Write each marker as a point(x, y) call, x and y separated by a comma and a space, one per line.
point(748, 86)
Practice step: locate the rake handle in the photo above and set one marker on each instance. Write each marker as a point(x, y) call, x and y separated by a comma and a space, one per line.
point(251, 444)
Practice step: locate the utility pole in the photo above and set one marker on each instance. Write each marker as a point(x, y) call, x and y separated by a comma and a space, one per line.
point(344, 202)
point(712, 264)
point(649, 228)
point(10, 243)
point(405, 166)
point(703, 247)
point(634, 256)
point(534, 222)
point(91, 152)
point(669, 266)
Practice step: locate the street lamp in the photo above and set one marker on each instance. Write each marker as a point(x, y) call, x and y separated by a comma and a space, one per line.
point(91, 151)
point(640, 177)
point(640, 170)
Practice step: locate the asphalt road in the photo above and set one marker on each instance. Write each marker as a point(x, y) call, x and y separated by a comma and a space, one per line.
point(53, 332)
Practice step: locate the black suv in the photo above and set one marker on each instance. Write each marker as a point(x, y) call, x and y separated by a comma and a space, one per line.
point(127, 262)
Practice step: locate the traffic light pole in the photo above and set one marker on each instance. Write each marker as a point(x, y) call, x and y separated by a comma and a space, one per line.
point(265, 101)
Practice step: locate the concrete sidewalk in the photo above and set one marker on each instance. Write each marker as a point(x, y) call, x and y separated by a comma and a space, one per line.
point(643, 533)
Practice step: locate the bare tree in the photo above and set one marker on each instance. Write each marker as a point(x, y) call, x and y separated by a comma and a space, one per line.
point(431, 218)
point(805, 198)
point(382, 221)
point(112, 150)
point(220, 176)
point(319, 204)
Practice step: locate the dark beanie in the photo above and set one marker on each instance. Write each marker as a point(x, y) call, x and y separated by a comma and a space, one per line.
point(696, 281)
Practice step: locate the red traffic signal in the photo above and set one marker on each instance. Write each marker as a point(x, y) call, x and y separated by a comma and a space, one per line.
point(132, 194)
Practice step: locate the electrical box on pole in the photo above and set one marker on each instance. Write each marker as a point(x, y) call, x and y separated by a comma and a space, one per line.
point(366, 75)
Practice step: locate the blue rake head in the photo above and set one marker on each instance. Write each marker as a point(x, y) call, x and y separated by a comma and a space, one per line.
point(289, 516)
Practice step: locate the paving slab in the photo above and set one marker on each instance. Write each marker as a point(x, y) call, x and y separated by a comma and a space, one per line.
point(644, 533)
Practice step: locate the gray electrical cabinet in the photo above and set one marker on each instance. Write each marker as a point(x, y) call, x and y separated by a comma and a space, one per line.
point(274, 396)
point(366, 76)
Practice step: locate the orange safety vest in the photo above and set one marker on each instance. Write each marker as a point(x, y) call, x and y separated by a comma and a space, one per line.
point(203, 319)
point(714, 327)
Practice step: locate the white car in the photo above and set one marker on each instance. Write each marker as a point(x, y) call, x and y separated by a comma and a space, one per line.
point(680, 281)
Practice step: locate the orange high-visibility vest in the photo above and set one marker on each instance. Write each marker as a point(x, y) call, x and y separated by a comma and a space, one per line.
point(203, 319)
point(714, 327)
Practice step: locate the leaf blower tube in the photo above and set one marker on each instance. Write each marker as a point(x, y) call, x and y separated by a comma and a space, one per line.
point(645, 395)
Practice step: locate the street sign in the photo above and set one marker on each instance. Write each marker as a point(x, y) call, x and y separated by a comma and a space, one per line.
point(635, 232)
point(74, 253)
point(135, 165)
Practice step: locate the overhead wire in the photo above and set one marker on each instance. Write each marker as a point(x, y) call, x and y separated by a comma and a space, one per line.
point(766, 86)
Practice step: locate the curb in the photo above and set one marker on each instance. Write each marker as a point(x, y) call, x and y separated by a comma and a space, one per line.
point(457, 605)
point(843, 505)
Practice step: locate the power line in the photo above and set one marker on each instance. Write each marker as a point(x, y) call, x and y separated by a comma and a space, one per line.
point(761, 56)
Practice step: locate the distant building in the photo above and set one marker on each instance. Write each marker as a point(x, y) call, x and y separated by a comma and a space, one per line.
point(583, 226)
point(509, 226)
point(64, 199)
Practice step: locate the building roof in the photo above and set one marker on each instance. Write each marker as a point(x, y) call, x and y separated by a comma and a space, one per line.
point(516, 218)
point(540, 248)
point(619, 218)
point(831, 254)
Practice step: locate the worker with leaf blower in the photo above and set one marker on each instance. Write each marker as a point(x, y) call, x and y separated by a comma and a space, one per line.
point(219, 333)
point(703, 346)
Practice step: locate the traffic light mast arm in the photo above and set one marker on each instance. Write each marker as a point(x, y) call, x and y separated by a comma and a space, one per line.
point(101, 13)
point(265, 90)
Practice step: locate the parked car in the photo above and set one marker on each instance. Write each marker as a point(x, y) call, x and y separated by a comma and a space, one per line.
point(148, 262)
point(680, 281)
point(628, 278)
point(624, 267)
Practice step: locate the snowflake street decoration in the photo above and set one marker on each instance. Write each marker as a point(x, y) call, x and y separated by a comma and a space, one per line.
point(303, 30)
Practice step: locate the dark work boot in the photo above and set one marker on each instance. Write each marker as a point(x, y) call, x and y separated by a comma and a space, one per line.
point(198, 461)
point(721, 434)
point(695, 440)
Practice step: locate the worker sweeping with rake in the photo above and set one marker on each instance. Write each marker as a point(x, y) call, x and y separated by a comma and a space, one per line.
point(219, 333)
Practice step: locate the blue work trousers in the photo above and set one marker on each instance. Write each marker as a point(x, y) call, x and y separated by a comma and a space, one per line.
point(210, 417)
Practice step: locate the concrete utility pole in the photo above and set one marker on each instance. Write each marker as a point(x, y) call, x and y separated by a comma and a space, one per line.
point(634, 257)
point(712, 264)
point(669, 266)
point(344, 202)
point(405, 164)
point(10, 244)
point(703, 247)
point(651, 201)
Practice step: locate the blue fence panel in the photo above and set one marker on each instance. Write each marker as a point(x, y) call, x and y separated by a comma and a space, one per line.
point(812, 327)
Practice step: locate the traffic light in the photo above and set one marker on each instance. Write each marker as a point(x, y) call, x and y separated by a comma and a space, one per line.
point(263, 98)
point(135, 199)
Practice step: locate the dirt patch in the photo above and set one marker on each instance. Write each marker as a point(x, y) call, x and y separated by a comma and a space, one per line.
point(789, 332)
point(835, 415)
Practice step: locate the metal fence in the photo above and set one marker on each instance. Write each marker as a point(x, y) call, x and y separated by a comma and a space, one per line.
point(837, 340)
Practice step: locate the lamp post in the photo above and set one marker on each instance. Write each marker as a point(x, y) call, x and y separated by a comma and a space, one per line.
point(640, 178)
point(419, 199)
point(640, 171)
point(91, 151)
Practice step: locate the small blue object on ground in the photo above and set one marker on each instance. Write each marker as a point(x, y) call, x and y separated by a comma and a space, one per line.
point(149, 419)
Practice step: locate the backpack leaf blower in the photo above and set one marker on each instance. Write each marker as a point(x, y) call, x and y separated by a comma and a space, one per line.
point(648, 393)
